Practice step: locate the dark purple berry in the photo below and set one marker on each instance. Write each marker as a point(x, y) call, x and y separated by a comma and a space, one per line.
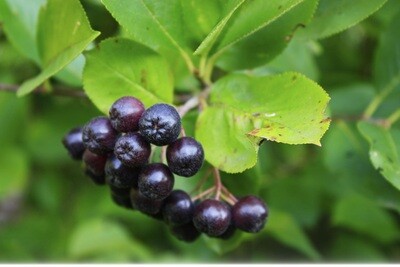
point(97, 179)
point(73, 142)
point(144, 204)
point(228, 233)
point(178, 208)
point(120, 191)
point(132, 149)
point(119, 175)
point(99, 136)
point(160, 124)
point(186, 232)
point(185, 156)
point(94, 163)
point(156, 181)
point(125, 114)
point(122, 201)
point(212, 217)
point(250, 214)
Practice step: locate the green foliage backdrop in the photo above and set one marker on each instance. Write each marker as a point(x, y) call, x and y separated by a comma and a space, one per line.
point(300, 105)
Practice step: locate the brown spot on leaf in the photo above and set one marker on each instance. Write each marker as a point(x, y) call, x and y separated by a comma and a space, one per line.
point(325, 120)
point(255, 131)
point(143, 78)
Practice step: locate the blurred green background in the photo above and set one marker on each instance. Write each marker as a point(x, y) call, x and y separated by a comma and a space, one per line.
point(327, 203)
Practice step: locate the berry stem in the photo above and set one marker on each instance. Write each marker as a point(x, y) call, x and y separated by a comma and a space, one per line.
point(193, 102)
point(228, 199)
point(218, 183)
point(183, 133)
point(203, 194)
point(57, 91)
point(229, 194)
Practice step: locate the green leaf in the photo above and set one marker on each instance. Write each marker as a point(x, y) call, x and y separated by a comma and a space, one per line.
point(287, 108)
point(97, 238)
point(120, 67)
point(14, 171)
point(298, 56)
point(364, 216)
point(157, 24)
point(266, 43)
point(59, 41)
point(223, 136)
point(384, 150)
point(72, 73)
point(336, 16)
point(239, 25)
point(387, 59)
point(19, 19)
point(357, 249)
point(221, 246)
point(212, 37)
point(284, 228)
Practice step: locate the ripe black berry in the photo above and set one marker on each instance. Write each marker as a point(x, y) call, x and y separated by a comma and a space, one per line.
point(94, 163)
point(160, 124)
point(185, 156)
point(156, 181)
point(125, 114)
point(212, 217)
point(186, 232)
point(119, 191)
point(144, 204)
point(119, 175)
point(99, 136)
point(228, 233)
point(97, 179)
point(249, 214)
point(132, 149)
point(178, 208)
point(72, 141)
point(122, 201)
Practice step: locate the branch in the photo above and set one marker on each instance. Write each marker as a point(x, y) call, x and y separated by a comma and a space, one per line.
point(193, 102)
point(57, 91)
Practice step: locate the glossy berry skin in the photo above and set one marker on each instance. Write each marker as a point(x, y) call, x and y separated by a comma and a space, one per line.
point(160, 124)
point(125, 114)
point(132, 149)
point(122, 201)
point(178, 208)
point(94, 163)
point(228, 233)
point(250, 214)
point(99, 136)
point(212, 217)
point(119, 175)
point(97, 179)
point(156, 181)
point(186, 232)
point(185, 156)
point(73, 142)
point(144, 204)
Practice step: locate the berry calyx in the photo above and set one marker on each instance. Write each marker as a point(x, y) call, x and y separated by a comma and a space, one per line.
point(185, 156)
point(99, 136)
point(144, 204)
point(119, 175)
point(212, 217)
point(249, 214)
point(160, 124)
point(125, 114)
point(73, 142)
point(132, 149)
point(178, 208)
point(156, 181)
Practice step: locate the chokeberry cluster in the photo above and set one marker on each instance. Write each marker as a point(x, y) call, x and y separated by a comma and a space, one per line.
point(117, 151)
